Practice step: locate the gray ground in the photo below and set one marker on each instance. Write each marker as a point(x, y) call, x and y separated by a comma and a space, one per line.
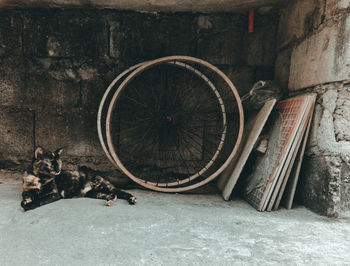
point(165, 229)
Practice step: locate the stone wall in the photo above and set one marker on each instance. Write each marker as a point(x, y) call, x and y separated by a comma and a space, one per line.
point(312, 43)
point(313, 54)
point(325, 182)
point(56, 64)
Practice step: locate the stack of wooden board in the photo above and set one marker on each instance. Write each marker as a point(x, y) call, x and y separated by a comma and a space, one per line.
point(274, 174)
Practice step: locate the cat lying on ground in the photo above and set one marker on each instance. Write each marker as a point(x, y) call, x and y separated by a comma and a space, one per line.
point(45, 182)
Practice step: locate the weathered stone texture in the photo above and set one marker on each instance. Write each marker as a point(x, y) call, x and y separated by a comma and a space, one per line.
point(242, 77)
point(313, 50)
point(138, 37)
point(323, 57)
point(73, 129)
point(59, 62)
point(220, 39)
point(12, 81)
point(325, 184)
point(313, 184)
point(345, 185)
point(328, 113)
point(298, 19)
point(16, 131)
point(57, 33)
point(325, 176)
point(51, 82)
point(260, 46)
point(95, 76)
point(342, 115)
point(335, 6)
point(225, 40)
point(10, 33)
point(282, 67)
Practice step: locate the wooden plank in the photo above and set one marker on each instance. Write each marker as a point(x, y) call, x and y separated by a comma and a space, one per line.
point(292, 184)
point(289, 132)
point(296, 155)
point(263, 180)
point(252, 132)
point(284, 175)
point(248, 129)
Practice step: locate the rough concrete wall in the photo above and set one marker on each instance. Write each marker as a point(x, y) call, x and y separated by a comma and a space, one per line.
point(56, 64)
point(325, 177)
point(313, 53)
point(313, 43)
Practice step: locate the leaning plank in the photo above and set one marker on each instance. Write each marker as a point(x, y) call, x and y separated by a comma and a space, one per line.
point(296, 155)
point(225, 176)
point(235, 169)
point(292, 116)
point(284, 124)
point(292, 183)
point(284, 175)
point(291, 166)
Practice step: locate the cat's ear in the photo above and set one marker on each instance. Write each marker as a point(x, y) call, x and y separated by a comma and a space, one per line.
point(58, 152)
point(38, 152)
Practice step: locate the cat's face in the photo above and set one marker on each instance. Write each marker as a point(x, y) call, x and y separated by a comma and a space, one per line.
point(46, 162)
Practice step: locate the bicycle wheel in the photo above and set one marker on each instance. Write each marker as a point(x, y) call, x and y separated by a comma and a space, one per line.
point(162, 126)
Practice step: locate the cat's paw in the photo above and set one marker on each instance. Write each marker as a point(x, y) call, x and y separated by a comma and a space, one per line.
point(109, 202)
point(27, 205)
point(132, 200)
point(24, 204)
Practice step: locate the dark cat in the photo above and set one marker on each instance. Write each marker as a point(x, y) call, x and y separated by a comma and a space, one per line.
point(45, 182)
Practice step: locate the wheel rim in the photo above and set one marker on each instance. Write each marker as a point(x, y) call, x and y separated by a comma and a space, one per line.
point(137, 71)
point(223, 113)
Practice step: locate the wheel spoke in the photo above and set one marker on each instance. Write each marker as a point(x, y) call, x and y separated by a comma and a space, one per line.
point(171, 132)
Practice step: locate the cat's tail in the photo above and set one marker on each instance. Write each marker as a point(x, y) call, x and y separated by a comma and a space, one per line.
point(127, 196)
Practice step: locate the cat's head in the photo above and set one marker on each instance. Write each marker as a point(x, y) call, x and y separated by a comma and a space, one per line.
point(47, 162)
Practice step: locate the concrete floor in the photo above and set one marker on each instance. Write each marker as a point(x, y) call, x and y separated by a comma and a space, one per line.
point(165, 229)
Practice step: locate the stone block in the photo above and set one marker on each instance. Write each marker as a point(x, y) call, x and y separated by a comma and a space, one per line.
point(52, 82)
point(325, 184)
point(335, 6)
point(342, 115)
point(12, 81)
point(321, 185)
point(298, 19)
point(92, 93)
point(313, 184)
point(137, 37)
point(74, 129)
point(322, 58)
point(282, 67)
point(10, 33)
point(260, 46)
point(242, 77)
point(96, 75)
point(220, 39)
point(58, 33)
point(16, 131)
point(345, 186)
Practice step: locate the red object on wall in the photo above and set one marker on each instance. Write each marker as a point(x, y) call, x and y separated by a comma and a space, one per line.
point(251, 21)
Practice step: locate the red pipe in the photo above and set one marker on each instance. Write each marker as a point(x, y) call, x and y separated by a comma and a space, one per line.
point(251, 21)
